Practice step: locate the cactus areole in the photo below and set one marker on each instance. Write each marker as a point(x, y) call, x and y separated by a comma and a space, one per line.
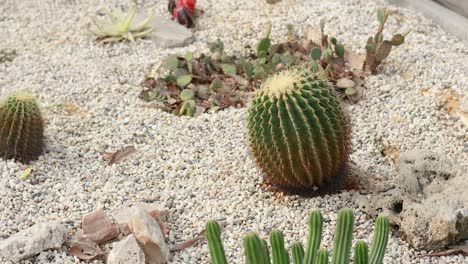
point(299, 133)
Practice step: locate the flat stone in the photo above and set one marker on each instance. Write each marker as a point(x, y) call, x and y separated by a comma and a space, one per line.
point(98, 227)
point(148, 232)
point(344, 83)
point(169, 34)
point(33, 240)
point(430, 203)
point(126, 251)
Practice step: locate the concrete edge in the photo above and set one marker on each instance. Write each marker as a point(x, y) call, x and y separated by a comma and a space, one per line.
point(450, 21)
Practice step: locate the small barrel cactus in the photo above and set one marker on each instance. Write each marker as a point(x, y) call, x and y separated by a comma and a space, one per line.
point(299, 133)
point(21, 128)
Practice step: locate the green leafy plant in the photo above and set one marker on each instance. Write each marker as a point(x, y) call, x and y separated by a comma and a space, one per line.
point(118, 26)
point(22, 127)
point(298, 132)
point(256, 250)
point(377, 48)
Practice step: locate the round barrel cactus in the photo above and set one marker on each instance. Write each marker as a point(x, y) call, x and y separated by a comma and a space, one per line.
point(299, 133)
point(21, 127)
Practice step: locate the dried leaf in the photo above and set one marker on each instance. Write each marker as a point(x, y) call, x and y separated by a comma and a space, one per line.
point(84, 248)
point(25, 174)
point(189, 242)
point(313, 34)
point(355, 61)
point(119, 156)
point(451, 251)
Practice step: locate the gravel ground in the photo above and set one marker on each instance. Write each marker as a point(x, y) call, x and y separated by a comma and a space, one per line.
point(201, 168)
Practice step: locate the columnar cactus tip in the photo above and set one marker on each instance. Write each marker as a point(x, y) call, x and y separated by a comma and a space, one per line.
point(298, 132)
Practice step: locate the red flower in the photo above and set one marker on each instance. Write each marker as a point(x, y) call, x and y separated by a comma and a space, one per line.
point(182, 11)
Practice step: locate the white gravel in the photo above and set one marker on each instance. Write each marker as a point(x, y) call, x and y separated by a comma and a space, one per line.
point(200, 168)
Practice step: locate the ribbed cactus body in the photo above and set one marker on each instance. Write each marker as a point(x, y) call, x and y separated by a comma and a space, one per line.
point(21, 128)
point(279, 253)
point(361, 253)
point(254, 250)
point(343, 237)
point(297, 251)
point(213, 235)
point(380, 240)
point(315, 236)
point(298, 132)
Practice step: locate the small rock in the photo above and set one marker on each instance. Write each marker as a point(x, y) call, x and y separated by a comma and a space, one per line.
point(147, 231)
point(126, 251)
point(122, 216)
point(429, 205)
point(98, 227)
point(170, 34)
point(33, 240)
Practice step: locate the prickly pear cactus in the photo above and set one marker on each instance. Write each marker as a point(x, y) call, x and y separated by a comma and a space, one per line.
point(21, 127)
point(298, 132)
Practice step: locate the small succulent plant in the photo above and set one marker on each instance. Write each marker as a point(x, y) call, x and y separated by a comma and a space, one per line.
point(377, 48)
point(256, 250)
point(298, 132)
point(22, 127)
point(117, 26)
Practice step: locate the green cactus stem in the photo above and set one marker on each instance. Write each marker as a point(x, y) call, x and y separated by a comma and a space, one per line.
point(343, 237)
point(213, 235)
point(254, 252)
point(298, 253)
point(21, 128)
point(279, 253)
point(380, 240)
point(315, 236)
point(361, 253)
point(322, 257)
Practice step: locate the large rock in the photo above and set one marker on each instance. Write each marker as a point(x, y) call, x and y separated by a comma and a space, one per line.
point(170, 34)
point(33, 240)
point(126, 251)
point(147, 231)
point(429, 207)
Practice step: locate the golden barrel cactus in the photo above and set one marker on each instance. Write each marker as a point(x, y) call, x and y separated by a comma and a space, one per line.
point(299, 133)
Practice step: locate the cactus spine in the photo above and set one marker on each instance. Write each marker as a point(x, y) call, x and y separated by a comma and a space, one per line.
point(21, 127)
point(256, 250)
point(298, 132)
point(213, 235)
